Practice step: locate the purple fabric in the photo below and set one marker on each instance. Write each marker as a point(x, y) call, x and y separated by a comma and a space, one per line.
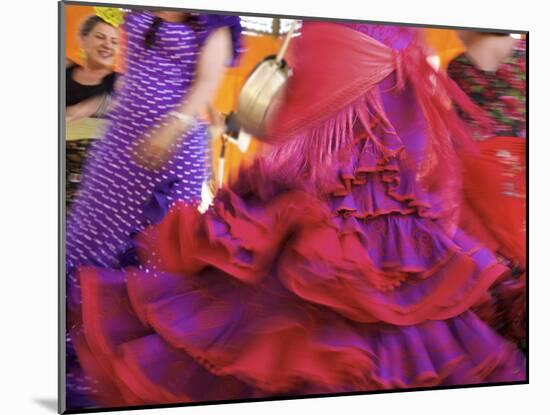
point(397, 37)
point(185, 316)
point(117, 198)
point(181, 330)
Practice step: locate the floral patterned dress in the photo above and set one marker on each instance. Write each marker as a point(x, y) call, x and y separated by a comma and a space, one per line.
point(495, 179)
point(501, 94)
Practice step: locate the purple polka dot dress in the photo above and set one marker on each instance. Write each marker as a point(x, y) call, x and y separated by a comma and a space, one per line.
point(117, 197)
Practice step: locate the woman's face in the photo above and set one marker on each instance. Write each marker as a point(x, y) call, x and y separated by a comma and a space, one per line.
point(101, 45)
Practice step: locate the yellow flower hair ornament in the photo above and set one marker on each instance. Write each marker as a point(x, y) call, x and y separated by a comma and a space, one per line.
point(111, 15)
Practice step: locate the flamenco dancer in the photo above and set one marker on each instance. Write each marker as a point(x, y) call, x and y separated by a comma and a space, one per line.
point(492, 72)
point(333, 264)
point(155, 150)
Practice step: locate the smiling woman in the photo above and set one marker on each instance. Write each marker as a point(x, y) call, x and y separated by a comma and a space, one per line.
point(89, 89)
point(99, 42)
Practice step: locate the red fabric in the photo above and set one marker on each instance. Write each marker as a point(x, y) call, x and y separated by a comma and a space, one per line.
point(342, 262)
point(336, 65)
point(334, 91)
point(494, 211)
point(496, 218)
point(280, 288)
point(324, 81)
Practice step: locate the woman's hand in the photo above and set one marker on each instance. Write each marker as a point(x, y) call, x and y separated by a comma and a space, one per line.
point(157, 145)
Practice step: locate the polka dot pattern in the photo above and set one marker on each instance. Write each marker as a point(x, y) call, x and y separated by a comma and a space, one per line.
point(115, 191)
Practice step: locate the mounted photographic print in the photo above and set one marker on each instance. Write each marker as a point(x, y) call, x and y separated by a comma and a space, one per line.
point(266, 207)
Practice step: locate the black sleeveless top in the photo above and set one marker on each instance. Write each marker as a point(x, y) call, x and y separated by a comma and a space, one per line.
point(77, 92)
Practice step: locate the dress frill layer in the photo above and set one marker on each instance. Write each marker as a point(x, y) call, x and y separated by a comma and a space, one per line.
point(279, 292)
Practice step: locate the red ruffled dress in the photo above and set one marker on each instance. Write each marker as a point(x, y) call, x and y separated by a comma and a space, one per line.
point(333, 264)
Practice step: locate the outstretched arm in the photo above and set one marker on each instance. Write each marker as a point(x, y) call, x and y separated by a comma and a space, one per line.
point(213, 58)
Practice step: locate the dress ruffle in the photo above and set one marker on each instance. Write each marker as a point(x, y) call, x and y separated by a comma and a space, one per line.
point(287, 288)
point(379, 179)
point(273, 298)
point(396, 268)
point(210, 337)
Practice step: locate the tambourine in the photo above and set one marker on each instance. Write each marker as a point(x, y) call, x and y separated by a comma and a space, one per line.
point(260, 89)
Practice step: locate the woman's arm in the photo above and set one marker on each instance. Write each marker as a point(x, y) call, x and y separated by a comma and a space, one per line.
point(213, 58)
point(86, 108)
